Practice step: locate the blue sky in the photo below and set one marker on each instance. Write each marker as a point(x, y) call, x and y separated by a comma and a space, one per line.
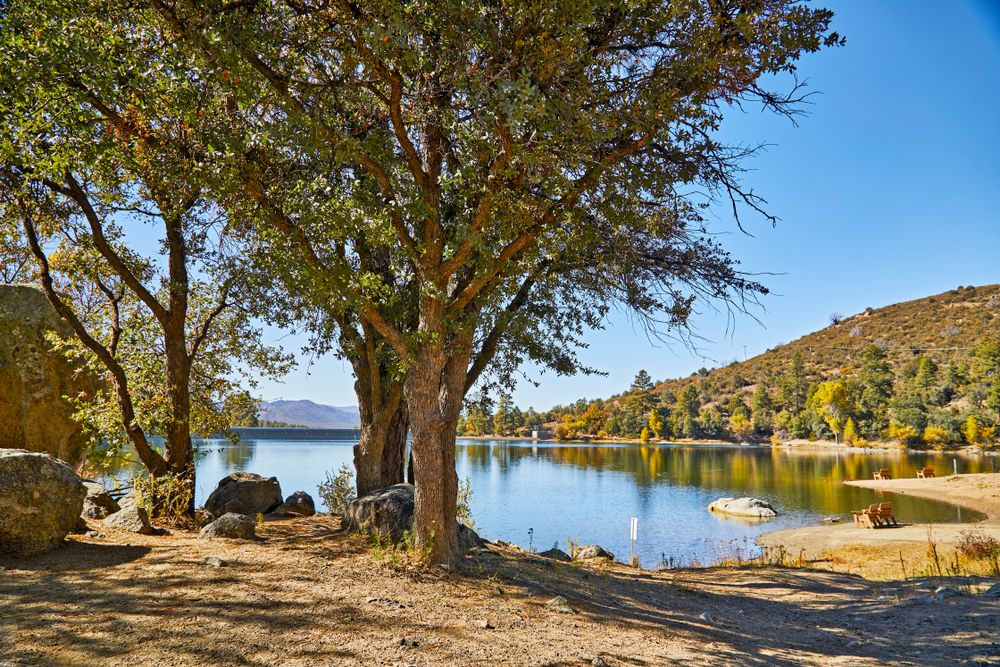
point(888, 190)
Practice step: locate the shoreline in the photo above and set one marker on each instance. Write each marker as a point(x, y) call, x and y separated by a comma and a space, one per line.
point(844, 547)
point(821, 445)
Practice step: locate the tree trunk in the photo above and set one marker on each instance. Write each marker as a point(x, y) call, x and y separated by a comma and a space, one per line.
point(435, 387)
point(394, 451)
point(179, 449)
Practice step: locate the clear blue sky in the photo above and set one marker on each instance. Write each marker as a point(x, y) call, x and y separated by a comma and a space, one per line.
point(887, 191)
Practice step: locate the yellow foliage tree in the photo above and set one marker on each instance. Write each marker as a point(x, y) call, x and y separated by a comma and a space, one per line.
point(905, 434)
point(644, 436)
point(740, 426)
point(936, 437)
point(655, 423)
point(972, 430)
point(832, 402)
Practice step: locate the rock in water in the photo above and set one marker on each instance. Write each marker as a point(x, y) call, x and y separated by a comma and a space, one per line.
point(592, 551)
point(233, 526)
point(98, 503)
point(388, 511)
point(300, 503)
point(34, 378)
point(40, 502)
point(244, 493)
point(749, 507)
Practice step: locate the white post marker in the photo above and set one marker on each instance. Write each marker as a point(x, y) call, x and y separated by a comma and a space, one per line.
point(954, 463)
point(634, 534)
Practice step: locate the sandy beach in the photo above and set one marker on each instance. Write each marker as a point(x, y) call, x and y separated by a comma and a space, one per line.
point(887, 552)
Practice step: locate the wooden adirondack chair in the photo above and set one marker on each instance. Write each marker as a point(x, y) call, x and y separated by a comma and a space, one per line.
point(883, 473)
point(924, 473)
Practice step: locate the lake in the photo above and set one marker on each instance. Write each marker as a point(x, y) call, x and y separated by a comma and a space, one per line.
point(536, 494)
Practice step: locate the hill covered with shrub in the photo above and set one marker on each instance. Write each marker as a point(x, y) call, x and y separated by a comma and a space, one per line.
point(922, 373)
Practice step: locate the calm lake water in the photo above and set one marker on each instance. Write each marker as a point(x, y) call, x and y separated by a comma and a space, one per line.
point(540, 494)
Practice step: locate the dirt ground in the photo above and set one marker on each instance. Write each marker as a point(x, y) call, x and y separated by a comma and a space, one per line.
point(306, 594)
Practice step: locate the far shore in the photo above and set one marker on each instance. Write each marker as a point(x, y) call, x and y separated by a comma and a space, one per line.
point(872, 447)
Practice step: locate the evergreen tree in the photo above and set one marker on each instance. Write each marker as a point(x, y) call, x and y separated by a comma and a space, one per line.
point(794, 386)
point(761, 408)
point(876, 390)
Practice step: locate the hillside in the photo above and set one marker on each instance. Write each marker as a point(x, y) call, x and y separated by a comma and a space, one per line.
point(921, 373)
point(944, 327)
point(310, 414)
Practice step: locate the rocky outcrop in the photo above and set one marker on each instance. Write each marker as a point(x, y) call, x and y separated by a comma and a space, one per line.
point(587, 551)
point(389, 512)
point(34, 378)
point(299, 503)
point(745, 507)
point(98, 503)
point(244, 493)
point(232, 526)
point(40, 502)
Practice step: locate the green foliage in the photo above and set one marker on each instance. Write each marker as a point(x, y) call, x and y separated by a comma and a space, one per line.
point(465, 503)
point(337, 491)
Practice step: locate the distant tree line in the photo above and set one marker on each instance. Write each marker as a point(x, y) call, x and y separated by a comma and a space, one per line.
point(920, 403)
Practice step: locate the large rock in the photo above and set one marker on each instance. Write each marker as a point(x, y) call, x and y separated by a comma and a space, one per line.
point(300, 503)
point(555, 553)
point(233, 526)
point(98, 503)
point(588, 551)
point(244, 493)
point(748, 507)
point(389, 512)
point(40, 502)
point(34, 378)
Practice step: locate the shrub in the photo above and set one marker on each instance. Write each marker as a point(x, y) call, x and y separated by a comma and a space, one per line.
point(975, 545)
point(337, 491)
point(464, 509)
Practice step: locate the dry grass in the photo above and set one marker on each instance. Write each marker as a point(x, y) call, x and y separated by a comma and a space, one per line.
point(306, 594)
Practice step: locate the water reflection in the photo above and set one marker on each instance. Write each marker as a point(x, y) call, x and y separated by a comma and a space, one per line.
point(588, 493)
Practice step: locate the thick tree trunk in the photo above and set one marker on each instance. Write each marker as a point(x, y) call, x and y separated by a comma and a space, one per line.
point(179, 449)
point(435, 387)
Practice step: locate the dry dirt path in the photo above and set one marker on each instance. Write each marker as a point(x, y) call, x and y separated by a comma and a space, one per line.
point(308, 595)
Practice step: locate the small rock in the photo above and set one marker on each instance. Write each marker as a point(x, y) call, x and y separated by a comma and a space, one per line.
point(944, 592)
point(600, 662)
point(93, 533)
point(993, 591)
point(832, 519)
point(560, 604)
point(214, 561)
point(556, 554)
point(705, 616)
point(386, 602)
point(484, 623)
point(404, 641)
point(299, 503)
point(592, 551)
point(232, 526)
point(130, 517)
point(98, 503)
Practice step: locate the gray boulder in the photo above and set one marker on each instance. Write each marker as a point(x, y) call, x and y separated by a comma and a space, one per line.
point(98, 503)
point(389, 512)
point(244, 493)
point(40, 502)
point(468, 539)
point(300, 503)
point(746, 507)
point(592, 551)
point(555, 554)
point(34, 378)
point(132, 517)
point(233, 526)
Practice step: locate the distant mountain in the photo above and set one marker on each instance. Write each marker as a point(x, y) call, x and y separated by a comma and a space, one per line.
point(308, 413)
